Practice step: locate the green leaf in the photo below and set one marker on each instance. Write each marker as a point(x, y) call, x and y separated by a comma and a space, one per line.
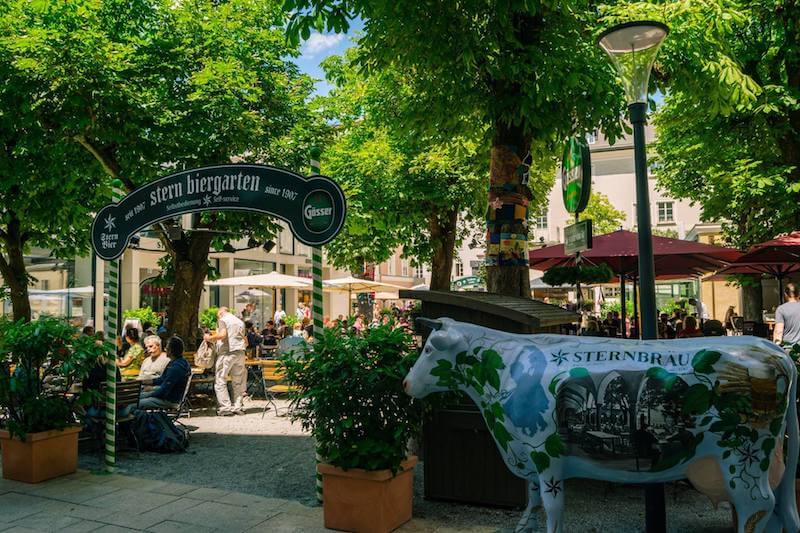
point(554, 445)
point(541, 460)
point(502, 435)
point(578, 372)
point(696, 400)
point(768, 445)
point(703, 361)
point(764, 464)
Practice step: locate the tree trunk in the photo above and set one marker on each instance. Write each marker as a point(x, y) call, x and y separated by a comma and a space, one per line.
point(190, 261)
point(752, 300)
point(12, 268)
point(507, 269)
point(442, 229)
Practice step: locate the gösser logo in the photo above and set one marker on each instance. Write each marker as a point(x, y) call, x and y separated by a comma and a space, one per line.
point(318, 211)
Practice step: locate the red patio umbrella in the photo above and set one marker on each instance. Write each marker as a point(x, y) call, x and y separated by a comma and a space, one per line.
point(778, 258)
point(620, 251)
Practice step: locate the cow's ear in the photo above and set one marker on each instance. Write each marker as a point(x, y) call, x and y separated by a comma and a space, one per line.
point(440, 340)
point(429, 323)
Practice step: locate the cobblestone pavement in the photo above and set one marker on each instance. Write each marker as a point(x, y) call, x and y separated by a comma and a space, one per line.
point(253, 474)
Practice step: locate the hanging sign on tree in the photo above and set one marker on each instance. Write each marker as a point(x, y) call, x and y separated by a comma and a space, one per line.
point(313, 207)
point(576, 175)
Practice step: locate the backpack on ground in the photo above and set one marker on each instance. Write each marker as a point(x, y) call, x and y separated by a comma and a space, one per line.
point(204, 358)
point(155, 432)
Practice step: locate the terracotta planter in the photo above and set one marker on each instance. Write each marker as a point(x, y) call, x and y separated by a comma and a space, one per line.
point(367, 501)
point(42, 456)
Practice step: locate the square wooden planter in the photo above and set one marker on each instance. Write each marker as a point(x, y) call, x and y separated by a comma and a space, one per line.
point(41, 456)
point(367, 501)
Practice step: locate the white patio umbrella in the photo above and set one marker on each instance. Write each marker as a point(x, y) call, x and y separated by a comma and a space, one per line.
point(350, 285)
point(272, 280)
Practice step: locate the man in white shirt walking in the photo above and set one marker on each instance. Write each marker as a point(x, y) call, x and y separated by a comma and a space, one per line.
point(231, 344)
point(279, 315)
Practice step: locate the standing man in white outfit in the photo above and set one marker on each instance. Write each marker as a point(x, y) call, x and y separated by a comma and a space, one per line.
point(231, 344)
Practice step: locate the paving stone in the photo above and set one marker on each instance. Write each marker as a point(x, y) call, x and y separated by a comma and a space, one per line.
point(290, 523)
point(139, 484)
point(73, 491)
point(83, 525)
point(244, 500)
point(175, 489)
point(20, 529)
point(220, 516)
point(9, 485)
point(47, 521)
point(132, 501)
point(14, 506)
point(206, 494)
point(170, 526)
point(150, 518)
point(114, 529)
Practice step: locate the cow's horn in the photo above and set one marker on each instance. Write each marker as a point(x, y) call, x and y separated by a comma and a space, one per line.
point(429, 323)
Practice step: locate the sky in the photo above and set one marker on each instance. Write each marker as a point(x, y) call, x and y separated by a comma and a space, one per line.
point(322, 45)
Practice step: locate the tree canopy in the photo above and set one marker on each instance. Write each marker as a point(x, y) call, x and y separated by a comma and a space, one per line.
point(151, 86)
point(605, 218)
point(410, 191)
point(526, 75)
point(729, 128)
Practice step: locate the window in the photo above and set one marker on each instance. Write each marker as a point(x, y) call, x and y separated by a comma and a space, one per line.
point(541, 221)
point(419, 272)
point(404, 267)
point(665, 212)
point(591, 137)
point(390, 267)
point(459, 268)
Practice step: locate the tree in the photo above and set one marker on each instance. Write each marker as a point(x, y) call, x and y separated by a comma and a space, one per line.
point(605, 218)
point(154, 86)
point(47, 193)
point(527, 74)
point(403, 191)
point(729, 128)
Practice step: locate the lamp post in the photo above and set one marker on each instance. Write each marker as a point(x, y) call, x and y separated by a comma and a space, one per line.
point(633, 47)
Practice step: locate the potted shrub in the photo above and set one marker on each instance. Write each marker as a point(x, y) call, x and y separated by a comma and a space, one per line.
point(40, 360)
point(350, 397)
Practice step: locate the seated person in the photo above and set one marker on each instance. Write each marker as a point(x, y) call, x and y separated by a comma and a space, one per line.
point(270, 334)
point(156, 360)
point(690, 328)
point(132, 358)
point(171, 385)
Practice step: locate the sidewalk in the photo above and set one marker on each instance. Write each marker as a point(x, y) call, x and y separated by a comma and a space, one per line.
point(109, 503)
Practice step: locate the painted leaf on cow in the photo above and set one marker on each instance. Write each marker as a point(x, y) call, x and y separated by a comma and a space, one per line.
point(697, 399)
point(541, 460)
point(703, 361)
point(554, 446)
point(502, 435)
point(577, 373)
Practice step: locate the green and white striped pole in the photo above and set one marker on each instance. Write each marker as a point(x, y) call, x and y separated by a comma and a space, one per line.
point(112, 327)
point(316, 296)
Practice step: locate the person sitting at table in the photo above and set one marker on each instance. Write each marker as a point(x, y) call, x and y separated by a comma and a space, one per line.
point(269, 335)
point(171, 385)
point(132, 359)
point(156, 361)
point(690, 328)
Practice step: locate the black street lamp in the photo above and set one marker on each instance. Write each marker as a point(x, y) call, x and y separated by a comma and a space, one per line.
point(633, 47)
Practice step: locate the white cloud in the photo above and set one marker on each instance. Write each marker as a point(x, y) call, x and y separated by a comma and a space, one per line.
point(318, 43)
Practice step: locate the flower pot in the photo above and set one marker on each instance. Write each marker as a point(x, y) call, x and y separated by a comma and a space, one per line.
point(367, 501)
point(41, 456)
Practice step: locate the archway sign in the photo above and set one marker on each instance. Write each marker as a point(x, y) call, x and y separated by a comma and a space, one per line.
point(314, 208)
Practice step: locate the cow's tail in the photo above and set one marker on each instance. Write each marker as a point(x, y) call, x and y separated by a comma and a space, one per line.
point(785, 493)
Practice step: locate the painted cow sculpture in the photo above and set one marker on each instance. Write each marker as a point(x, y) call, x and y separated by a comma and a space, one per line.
point(710, 409)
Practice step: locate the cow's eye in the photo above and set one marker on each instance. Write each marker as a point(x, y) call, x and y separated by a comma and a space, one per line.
point(427, 350)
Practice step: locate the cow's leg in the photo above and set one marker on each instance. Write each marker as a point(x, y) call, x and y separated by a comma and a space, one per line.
point(551, 488)
point(754, 508)
point(527, 522)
